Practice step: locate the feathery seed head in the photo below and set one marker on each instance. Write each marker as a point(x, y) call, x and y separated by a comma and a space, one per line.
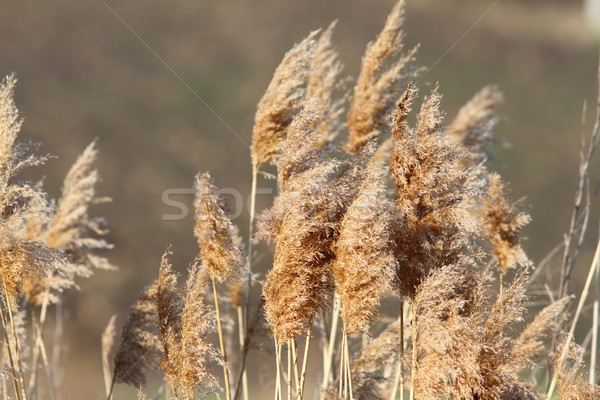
point(364, 263)
point(282, 100)
point(380, 81)
point(434, 194)
point(219, 249)
point(323, 83)
point(304, 223)
point(141, 349)
point(503, 223)
point(185, 321)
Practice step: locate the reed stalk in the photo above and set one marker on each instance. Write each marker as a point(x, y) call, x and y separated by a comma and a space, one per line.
point(221, 340)
point(304, 363)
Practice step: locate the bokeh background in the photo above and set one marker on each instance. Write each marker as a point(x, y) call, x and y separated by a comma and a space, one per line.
point(83, 74)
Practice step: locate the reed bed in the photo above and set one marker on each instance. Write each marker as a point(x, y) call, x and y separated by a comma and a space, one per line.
point(379, 201)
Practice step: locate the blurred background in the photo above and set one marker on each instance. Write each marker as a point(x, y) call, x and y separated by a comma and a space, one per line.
point(84, 74)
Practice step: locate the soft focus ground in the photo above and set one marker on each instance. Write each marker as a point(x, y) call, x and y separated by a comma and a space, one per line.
point(84, 75)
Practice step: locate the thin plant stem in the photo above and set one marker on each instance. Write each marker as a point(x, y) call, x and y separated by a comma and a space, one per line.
point(4, 389)
point(49, 371)
point(245, 348)
point(569, 256)
point(58, 343)
point(582, 299)
point(305, 362)
point(9, 350)
point(41, 347)
point(295, 364)
point(289, 370)
point(250, 241)
point(242, 338)
point(342, 371)
point(348, 368)
point(399, 377)
point(243, 326)
point(329, 354)
point(595, 327)
point(414, 355)
point(221, 340)
point(38, 330)
point(21, 374)
point(278, 373)
point(398, 384)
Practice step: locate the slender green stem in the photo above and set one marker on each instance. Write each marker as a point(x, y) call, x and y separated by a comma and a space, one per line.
point(221, 340)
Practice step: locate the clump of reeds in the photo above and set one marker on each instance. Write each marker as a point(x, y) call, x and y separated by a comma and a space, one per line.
point(416, 219)
point(342, 238)
point(44, 246)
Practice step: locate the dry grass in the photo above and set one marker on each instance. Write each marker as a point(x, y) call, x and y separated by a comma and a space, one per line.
point(436, 229)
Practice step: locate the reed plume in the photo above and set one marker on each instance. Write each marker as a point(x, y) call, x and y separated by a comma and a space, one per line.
point(445, 333)
point(368, 369)
point(503, 223)
point(219, 243)
point(530, 342)
point(22, 339)
point(363, 261)
point(385, 72)
point(70, 228)
point(472, 127)
point(21, 258)
point(467, 348)
point(141, 349)
point(434, 194)
point(282, 100)
point(185, 321)
point(303, 223)
point(499, 359)
point(571, 383)
point(303, 169)
point(322, 86)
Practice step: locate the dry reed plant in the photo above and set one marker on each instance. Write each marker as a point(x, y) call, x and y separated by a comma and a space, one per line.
point(141, 347)
point(44, 246)
point(503, 223)
point(415, 219)
point(282, 100)
point(385, 72)
point(185, 321)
